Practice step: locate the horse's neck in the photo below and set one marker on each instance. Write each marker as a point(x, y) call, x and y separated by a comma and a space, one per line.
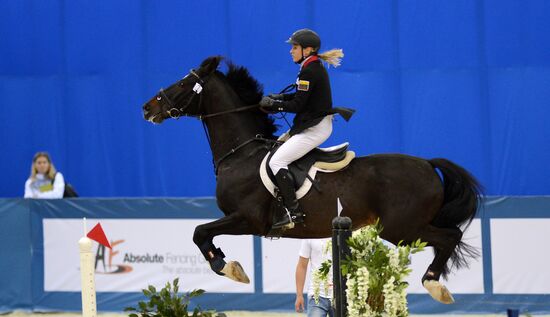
point(228, 131)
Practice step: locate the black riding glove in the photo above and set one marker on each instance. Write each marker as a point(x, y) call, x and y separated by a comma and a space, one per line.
point(269, 104)
point(276, 96)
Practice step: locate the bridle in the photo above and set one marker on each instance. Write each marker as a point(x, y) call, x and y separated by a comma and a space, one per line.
point(176, 112)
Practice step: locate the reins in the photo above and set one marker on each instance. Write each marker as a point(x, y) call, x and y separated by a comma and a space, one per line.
point(228, 111)
point(258, 137)
point(175, 113)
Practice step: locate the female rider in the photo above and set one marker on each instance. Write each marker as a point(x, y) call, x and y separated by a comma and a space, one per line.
point(312, 125)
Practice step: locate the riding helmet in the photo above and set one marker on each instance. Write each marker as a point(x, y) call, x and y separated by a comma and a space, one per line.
point(305, 38)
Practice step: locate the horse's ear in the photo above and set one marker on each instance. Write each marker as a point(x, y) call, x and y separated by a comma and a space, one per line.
point(210, 64)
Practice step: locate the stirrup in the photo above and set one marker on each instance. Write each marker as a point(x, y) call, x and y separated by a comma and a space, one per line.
point(289, 221)
point(286, 223)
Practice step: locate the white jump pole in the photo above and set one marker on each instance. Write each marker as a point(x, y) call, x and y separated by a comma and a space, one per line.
point(89, 308)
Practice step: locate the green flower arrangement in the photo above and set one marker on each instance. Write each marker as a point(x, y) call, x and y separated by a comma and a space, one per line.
point(375, 274)
point(169, 303)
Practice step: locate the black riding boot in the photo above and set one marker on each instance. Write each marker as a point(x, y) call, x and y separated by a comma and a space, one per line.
point(292, 213)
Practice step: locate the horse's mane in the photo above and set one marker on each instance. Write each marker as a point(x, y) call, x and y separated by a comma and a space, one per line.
point(250, 91)
point(247, 87)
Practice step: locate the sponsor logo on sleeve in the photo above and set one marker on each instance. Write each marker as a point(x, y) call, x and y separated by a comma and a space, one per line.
point(303, 85)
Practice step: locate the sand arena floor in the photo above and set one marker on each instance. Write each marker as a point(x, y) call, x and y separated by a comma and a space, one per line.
point(228, 313)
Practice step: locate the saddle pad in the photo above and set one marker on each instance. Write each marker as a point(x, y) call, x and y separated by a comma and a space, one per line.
point(302, 191)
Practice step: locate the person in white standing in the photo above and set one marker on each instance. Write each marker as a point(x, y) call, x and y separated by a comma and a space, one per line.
point(44, 182)
point(312, 253)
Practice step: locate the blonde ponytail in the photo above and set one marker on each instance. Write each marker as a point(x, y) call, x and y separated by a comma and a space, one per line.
point(332, 57)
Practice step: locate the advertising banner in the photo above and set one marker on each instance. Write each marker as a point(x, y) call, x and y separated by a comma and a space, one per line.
point(144, 252)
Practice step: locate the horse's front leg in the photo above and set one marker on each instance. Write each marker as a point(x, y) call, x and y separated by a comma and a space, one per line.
point(232, 224)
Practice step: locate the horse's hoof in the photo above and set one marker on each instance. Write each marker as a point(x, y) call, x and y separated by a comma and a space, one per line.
point(235, 271)
point(438, 291)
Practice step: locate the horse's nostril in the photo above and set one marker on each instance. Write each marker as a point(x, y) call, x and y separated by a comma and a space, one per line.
point(146, 107)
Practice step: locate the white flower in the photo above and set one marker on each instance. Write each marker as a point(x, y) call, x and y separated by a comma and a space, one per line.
point(370, 258)
point(394, 259)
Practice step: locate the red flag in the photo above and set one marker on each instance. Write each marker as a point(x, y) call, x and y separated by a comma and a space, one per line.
point(98, 235)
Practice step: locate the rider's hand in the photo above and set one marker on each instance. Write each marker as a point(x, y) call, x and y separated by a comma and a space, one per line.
point(276, 96)
point(299, 304)
point(269, 104)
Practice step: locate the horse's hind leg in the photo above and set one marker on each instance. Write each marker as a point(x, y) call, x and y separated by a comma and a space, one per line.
point(444, 241)
point(232, 224)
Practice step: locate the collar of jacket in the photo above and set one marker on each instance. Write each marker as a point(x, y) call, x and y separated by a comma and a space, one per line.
point(308, 61)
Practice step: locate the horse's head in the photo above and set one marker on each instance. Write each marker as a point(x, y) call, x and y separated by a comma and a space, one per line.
point(182, 98)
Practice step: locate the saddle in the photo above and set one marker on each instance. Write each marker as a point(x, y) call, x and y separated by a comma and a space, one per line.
point(303, 170)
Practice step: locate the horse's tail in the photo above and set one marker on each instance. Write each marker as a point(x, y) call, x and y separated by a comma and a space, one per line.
point(462, 196)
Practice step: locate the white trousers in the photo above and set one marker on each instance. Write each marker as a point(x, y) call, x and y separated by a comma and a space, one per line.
point(300, 144)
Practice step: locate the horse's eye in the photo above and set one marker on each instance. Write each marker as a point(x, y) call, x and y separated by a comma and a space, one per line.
point(159, 98)
point(181, 83)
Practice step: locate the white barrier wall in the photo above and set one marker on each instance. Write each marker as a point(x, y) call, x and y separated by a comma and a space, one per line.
point(279, 259)
point(145, 251)
point(158, 250)
point(520, 256)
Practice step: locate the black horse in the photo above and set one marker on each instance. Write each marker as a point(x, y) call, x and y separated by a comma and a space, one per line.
point(404, 192)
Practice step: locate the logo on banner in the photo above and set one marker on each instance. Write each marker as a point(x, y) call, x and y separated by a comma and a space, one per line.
point(118, 268)
point(109, 267)
point(112, 261)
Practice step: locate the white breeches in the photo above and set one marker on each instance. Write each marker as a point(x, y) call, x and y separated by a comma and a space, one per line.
point(300, 144)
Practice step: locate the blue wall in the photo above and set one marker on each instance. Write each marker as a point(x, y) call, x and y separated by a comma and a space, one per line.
point(463, 79)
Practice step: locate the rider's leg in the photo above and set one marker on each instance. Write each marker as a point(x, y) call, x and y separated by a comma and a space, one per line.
point(287, 192)
point(294, 148)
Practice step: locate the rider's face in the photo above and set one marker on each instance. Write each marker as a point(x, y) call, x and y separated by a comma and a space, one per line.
point(296, 52)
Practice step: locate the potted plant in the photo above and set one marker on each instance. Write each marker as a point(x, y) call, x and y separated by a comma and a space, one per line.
point(168, 303)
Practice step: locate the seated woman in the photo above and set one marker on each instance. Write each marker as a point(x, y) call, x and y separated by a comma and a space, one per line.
point(44, 182)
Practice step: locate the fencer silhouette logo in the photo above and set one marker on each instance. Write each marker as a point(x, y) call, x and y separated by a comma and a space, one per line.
point(109, 267)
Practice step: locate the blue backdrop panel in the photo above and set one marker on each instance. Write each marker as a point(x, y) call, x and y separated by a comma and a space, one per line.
point(444, 120)
point(366, 30)
point(515, 33)
point(517, 127)
point(466, 80)
point(438, 35)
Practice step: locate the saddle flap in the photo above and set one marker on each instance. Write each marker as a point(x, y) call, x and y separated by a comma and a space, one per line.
point(323, 159)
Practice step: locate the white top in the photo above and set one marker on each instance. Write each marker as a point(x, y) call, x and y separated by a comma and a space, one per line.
point(314, 250)
point(42, 188)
